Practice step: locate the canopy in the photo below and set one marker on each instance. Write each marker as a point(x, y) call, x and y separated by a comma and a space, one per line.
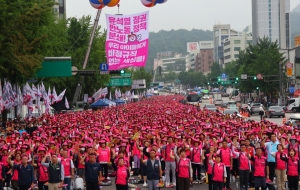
point(119, 101)
point(103, 102)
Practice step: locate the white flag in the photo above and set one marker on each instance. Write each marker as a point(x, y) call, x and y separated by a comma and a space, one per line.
point(1, 100)
point(104, 92)
point(61, 96)
point(54, 96)
point(27, 94)
point(110, 95)
point(67, 103)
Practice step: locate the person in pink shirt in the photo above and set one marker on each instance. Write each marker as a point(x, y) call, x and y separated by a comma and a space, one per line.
point(122, 175)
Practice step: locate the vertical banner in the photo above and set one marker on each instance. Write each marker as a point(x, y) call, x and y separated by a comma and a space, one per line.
point(127, 40)
point(289, 69)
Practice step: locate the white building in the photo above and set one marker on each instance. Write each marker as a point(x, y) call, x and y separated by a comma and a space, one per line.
point(167, 61)
point(60, 8)
point(221, 32)
point(190, 60)
point(232, 46)
point(270, 18)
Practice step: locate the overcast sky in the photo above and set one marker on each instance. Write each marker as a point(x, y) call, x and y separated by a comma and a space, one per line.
point(178, 14)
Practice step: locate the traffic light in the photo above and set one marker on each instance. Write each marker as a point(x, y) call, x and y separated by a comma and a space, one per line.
point(257, 88)
point(254, 78)
point(219, 79)
point(208, 83)
point(116, 72)
point(236, 78)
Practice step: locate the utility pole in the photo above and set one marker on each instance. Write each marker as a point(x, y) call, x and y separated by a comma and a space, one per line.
point(280, 84)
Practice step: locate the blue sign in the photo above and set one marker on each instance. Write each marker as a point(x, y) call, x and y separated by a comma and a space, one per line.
point(292, 89)
point(223, 76)
point(103, 67)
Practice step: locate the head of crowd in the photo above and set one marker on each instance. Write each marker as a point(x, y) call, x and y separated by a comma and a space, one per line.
point(157, 120)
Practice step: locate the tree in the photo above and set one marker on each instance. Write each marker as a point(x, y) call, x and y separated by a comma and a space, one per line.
point(192, 79)
point(22, 37)
point(141, 73)
point(263, 57)
point(231, 69)
point(215, 71)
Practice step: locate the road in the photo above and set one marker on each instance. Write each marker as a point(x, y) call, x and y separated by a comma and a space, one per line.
point(255, 117)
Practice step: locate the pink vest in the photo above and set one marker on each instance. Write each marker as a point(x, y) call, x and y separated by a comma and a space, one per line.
point(1, 169)
point(168, 151)
point(244, 162)
point(260, 166)
point(136, 151)
point(209, 167)
point(4, 160)
point(280, 164)
point(121, 176)
point(43, 172)
point(196, 155)
point(184, 168)
point(104, 155)
point(218, 172)
point(67, 166)
point(15, 175)
point(226, 156)
point(292, 167)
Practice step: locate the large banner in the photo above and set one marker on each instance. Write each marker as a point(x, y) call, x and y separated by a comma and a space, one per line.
point(127, 40)
point(192, 46)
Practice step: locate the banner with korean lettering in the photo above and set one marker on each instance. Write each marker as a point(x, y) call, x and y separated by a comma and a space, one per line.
point(127, 40)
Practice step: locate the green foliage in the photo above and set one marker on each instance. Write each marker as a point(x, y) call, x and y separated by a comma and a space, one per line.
point(22, 37)
point(231, 69)
point(264, 58)
point(141, 73)
point(215, 71)
point(175, 40)
point(192, 79)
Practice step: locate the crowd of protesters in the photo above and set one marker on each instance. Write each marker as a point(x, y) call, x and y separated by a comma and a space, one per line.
point(159, 139)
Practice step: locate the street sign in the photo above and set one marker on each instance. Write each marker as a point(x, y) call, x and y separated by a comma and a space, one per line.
point(120, 82)
point(104, 72)
point(223, 76)
point(103, 67)
point(126, 74)
point(259, 76)
point(244, 76)
point(289, 69)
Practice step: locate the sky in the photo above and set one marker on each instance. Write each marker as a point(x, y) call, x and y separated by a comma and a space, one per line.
point(178, 14)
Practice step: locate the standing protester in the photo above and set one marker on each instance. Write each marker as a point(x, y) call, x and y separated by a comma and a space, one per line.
point(68, 169)
point(196, 158)
point(293, 169)
point(26, 177)
point(93, 172)
point(219, 173)
point(261, 112)
point(271, 148)
point(211, 155)
point(55, 171)
point(122, 175)
point(104, 158)
point(226, 157)
point(170, 162)
point(41, 171)
point(280, 168)
point(184, 170)
point(15, 175)
point(154, 172)
point(259, 170)
point(244, 166)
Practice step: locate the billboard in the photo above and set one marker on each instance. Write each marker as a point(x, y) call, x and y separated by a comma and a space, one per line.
point(206, 44)
point(127, 40)
point(192, 46)
point(297, 41)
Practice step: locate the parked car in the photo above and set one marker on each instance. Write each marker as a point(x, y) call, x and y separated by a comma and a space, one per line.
point(231, 111)
point(218, 102)
point(275, 111)
point(205, 97)
point(224, 105)
point(210, 107)
point(255, 108)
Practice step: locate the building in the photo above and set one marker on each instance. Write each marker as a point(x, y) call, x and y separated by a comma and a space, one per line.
point(271, 18)
point(167, 64)
point(232, 46)
point(190, 60)
point(204, 59)
point(297, 41)
point(60, 8)
point(221, 32)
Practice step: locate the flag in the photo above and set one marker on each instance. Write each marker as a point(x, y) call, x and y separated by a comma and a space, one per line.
point(27, 94)
point(104, 92)
point(67, 103)
point(119, 93)
point(110, 95)
point(60, 96)
point(116, 93)
point(20, 100)
point(97, 95)
point(54, 96)
point(1, 100)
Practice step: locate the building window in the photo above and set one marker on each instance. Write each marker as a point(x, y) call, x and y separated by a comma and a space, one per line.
point(249, 41)
point(209, 57)
point(227, 57)
point(237, 48)
point(237, 41)
point(204, 50)
point(236, 55)
point(227, 50)
point(61, 3)
point(209, 62)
